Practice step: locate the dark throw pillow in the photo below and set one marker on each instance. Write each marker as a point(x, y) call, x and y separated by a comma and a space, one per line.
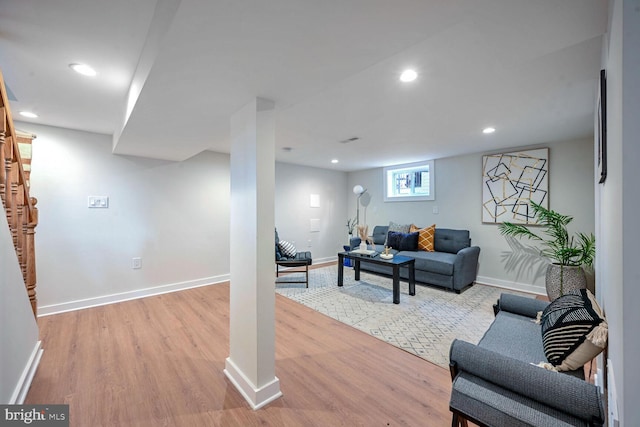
point(574, 330)
point(403, 241)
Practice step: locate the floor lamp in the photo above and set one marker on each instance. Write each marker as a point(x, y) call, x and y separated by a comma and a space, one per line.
point(359, 190)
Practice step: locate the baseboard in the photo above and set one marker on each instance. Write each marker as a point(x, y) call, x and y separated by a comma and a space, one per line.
point(506, 284)
point(256, 397)
point(22, 388)
point(326, 260)
point(48, 310)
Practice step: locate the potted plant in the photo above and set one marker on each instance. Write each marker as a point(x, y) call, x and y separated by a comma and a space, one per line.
point(351, 224)
point(568, 254)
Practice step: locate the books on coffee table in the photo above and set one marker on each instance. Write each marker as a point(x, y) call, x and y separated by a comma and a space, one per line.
point(364, 252)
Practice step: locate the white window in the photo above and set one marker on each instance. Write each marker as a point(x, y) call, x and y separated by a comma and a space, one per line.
point(409, 182)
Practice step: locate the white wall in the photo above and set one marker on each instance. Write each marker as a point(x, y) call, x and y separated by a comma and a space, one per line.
point(458, 186)
point(294, 185)
point(18, 329)
point(174, 215)
point(618, 206)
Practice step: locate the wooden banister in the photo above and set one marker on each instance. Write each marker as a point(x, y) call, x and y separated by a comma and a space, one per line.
point(19, 206)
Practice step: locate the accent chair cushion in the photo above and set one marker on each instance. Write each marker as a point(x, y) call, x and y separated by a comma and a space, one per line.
point(574, 330)
point(287, 249)
point(425, 237)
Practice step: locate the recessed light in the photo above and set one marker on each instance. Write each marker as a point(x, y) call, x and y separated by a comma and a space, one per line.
point(334, 161)
point(408, 76)
point(28, 114)
point(489, 130)
point(83, 69)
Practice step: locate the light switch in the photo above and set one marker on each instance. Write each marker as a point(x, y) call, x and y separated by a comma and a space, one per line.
point(98, 202)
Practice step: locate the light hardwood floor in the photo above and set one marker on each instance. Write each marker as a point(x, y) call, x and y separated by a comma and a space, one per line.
point(159, 361)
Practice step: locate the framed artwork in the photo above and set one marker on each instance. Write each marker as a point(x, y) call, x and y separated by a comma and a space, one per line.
point(510, 181)
point(602, 127)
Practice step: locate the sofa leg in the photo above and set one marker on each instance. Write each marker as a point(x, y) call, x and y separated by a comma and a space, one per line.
point(458, 421)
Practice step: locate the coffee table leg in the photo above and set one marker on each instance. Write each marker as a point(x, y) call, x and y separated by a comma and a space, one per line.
point(412, 279)
point(340, 269)
point(396, 284)
point(357, 268)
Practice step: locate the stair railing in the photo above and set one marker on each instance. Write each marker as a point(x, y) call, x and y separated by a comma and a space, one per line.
point(20, 207)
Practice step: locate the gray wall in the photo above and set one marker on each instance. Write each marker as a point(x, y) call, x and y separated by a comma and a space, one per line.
point(18, 329)
point(294, 185)
point(174, 215)
point(458, 201)
point(617, 207)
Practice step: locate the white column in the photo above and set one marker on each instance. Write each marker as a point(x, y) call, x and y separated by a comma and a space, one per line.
point(251, 363)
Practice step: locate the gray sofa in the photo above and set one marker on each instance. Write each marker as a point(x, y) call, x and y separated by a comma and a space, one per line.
point(495, 383)
point(453, 265)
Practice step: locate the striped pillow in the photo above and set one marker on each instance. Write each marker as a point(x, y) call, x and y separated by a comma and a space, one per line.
point(574, 330)
point(287, 249)
point(425, 237)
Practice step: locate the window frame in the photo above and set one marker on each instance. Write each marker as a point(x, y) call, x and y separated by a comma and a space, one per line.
point(410, 168)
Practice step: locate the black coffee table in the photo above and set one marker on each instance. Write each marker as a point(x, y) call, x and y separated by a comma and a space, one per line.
point(396, 263)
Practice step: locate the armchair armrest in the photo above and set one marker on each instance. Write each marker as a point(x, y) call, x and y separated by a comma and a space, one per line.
point(465, 267)
point(553, 389)
point(523, 306)
point(354, 242)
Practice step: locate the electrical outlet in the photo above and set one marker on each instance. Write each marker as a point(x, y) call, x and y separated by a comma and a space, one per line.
point(136, 263)
point(98, 202)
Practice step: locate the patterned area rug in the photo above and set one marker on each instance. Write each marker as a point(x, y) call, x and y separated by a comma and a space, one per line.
point(424, 324)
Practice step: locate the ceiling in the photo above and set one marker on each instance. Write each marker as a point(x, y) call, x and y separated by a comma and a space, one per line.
point(171, 73)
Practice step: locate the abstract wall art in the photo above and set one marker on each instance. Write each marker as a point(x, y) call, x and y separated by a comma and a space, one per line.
point(510, 181)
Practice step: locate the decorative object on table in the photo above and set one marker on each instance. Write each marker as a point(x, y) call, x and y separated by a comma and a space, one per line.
point(510, 181)
point(386, 254)
point(363, 233)
point(359, 190)
point(568, 254)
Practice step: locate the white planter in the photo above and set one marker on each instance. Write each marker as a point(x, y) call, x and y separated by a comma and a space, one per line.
point(363, 246)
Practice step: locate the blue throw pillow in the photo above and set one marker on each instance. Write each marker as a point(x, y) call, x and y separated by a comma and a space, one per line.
point(403, 241)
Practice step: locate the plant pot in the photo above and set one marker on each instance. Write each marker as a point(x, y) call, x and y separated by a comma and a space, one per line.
point(562, 278)
point(363, 246)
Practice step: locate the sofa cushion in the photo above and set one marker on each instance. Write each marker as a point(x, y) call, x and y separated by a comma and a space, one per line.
point(403, 241)
point(434, 262)
point(402, 228)
point(425, 237)
point(447, 240)
point(574, 330)
point(514, 336)
point(380, 234)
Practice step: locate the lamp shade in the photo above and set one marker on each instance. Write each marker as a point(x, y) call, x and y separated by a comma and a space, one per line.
point(358, 189)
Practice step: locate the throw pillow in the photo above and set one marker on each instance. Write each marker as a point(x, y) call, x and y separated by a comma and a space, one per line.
point(426, 237)
point(574, 330)
point(287, 249)
point(403, 241)
point(400, 228)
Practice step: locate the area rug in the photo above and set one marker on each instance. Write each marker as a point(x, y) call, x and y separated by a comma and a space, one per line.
point(424, 324)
